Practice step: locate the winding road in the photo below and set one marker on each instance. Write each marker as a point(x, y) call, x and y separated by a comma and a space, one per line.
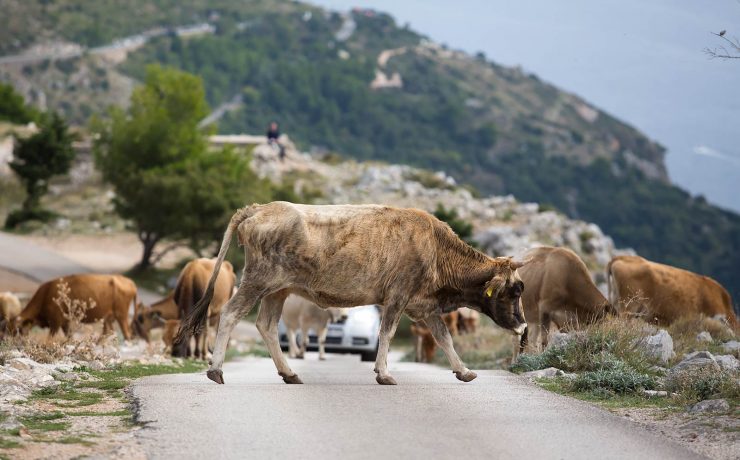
point(340, 412)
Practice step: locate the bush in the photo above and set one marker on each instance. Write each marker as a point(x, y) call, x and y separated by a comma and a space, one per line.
point(620, 380)
point(19, 216)
point(704, 384)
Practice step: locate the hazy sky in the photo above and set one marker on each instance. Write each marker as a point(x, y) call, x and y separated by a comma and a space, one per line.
point(640, 61)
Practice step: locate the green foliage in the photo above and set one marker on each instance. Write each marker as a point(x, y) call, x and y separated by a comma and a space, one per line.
point(697, 385)
point(166, 180)
point(620, 380)
point(36, 160)
point(13, 108)
point(463, 228)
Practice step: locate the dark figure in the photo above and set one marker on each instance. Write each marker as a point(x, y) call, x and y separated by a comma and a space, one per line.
point(273, 134)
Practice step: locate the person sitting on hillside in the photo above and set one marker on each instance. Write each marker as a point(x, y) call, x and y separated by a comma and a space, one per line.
point(273, 136)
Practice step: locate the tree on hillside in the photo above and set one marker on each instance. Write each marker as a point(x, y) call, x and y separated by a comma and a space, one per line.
point(13, 108)
point(167, 182)
point(36, 160)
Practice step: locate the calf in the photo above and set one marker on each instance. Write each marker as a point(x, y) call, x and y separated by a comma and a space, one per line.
point(299, 313)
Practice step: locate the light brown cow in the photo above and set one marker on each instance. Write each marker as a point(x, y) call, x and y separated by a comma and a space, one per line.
point(304, 315)
point(469, 321)
point(113, 296)
point(424, 345)
point(154, 316)
point(662, 294)
point(405, 260)
point(190, 288)
point(559, 290)
point(10, 308)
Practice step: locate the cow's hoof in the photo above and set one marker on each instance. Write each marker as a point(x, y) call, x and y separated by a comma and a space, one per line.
point(216, 375)
point(385, 380)
point(466, 376)
point(322, 358)
point(291, 379)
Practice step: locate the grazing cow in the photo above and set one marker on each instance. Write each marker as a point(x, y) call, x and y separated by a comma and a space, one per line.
point(424, 344)
point(154, 316)
point(559, 291)
point(469, 321)
point(663, 294)
point(10, 308)
point(191, 286)
point(113, 295)
point(299, 313)
point(405, 260)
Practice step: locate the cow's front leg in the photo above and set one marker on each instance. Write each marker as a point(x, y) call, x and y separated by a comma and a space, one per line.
point(444, 340)
point(268, 317)
point(388, 325)
point(239, 305)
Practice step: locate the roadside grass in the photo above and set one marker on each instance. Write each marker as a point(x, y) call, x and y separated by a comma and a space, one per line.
point(611, 367)
point(104, 389)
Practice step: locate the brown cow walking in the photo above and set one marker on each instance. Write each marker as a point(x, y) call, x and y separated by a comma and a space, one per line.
point(113, 296)
point(405, 260)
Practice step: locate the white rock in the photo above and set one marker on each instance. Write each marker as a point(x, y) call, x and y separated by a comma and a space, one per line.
point(659, 346)
point(693, 362)
point(731, 346)
point(704, 336)
point(549, 372)
point(655, 393)
point(727, 362)
point(710, 405)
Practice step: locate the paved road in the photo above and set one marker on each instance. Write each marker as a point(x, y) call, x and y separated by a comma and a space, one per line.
point(340, 412)
point(40, 264)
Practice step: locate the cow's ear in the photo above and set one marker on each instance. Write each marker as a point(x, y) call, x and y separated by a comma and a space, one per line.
point(517, 264)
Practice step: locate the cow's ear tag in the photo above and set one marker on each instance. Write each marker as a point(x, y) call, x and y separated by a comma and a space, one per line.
point(489, 292)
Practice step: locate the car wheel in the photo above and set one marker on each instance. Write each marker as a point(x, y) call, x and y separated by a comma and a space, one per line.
point(369, 355)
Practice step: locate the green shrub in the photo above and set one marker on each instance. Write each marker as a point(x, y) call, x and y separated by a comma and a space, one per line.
point(702, 384)
point(621, 379)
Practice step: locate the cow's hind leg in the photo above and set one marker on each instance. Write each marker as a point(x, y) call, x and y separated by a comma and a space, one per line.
point(388, 324)
point(292, 344)
point(238, 306)
point(444, 340)
point(268, 317)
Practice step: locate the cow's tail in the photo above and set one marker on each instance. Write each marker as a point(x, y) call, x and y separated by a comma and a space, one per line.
point(196, 318)
point(611, 295)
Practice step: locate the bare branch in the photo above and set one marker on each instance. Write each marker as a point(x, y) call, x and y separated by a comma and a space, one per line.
point(721, 52)
point(163, 252)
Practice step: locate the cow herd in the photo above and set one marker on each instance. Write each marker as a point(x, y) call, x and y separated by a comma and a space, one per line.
point(308, 263)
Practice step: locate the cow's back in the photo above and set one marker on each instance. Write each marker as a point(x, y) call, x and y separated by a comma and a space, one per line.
point(330, 249)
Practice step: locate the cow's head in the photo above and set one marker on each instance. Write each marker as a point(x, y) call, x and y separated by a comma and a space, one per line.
point(18, 326)
point(145, 320)
point(501, 297)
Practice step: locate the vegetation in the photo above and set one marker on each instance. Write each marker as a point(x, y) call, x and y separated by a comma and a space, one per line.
point(13, 108)
point(36, 160)
point(157, 159)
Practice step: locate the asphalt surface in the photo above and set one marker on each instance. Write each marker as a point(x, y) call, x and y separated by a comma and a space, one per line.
point(340, 412)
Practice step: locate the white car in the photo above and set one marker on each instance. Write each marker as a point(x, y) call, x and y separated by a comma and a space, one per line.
point(357, 333)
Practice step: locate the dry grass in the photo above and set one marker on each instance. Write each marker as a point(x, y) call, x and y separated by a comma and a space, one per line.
point(684, 333)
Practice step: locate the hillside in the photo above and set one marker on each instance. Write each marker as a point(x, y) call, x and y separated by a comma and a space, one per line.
point(360, 85)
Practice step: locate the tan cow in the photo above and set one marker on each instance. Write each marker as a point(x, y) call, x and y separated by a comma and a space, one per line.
point(405, 260)
point(558, 290)
point(662, 294)
point(190, 288)
point(154, 316)
point(304, 315)
point(424, 345)
point(469, 321)
point(113, 295)
point(10, 308)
